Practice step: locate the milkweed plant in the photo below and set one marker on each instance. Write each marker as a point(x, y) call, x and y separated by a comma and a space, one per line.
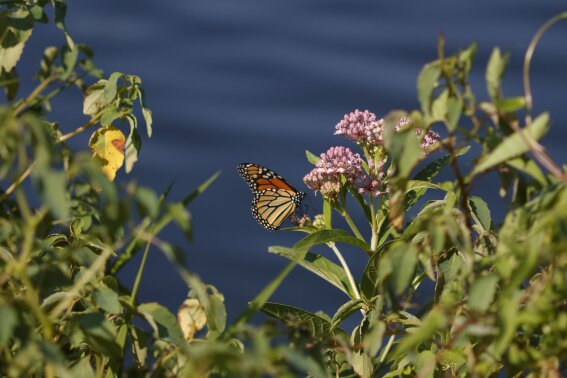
point(447, 289)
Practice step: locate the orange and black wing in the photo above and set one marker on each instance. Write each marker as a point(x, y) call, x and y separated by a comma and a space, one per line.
point(274, 199)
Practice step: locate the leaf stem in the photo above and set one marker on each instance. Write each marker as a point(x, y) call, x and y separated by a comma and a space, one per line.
point(355, 291)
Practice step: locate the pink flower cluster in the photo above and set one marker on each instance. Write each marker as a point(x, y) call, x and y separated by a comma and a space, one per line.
point(372, 183)
point(357, 126)
point(335, 163)
point(429, 139)
point(364, 128)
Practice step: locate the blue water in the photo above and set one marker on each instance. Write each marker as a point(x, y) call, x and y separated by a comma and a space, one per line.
point(262, 81)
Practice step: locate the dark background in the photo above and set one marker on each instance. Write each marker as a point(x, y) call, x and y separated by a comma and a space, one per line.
point(262, 81)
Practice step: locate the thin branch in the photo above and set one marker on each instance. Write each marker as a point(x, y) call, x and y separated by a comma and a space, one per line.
point(93, 121)
point(528, 59)
point(540, 153)
point(460, 181)
point(16, 183)
point(34, 94)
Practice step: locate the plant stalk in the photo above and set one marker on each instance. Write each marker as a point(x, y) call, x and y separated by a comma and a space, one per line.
point(351, 281)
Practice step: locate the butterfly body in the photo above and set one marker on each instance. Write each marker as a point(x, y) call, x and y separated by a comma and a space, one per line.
point(274, 200)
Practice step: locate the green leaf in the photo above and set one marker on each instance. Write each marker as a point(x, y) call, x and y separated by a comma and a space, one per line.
point(8, 324)
point(345, 311)
point(81, 369)
point(494, 72)
point(60, 12)
point(212, 301)
point(454, 110)
point(425, 364)
point(514, 145)
point(107, 300)
point(508, 316)
point(404, 148)
point(426, 84)
point(361, 202)
point(326, 269)
point(362, 364)
point(427, 174)
point(54, 193)
point(100, 94)
point(480, 211)
point(148, 202)
point(163, 322)
point(15, 28)
point(432, 169)
point(325, 236)
point(403, 259)
point(146, 112)
point(132, 146)
point(109, 115)
point(308, 365)
point(99, 333)
point(182, 218)
point(372, 339)
point(110, 88)
point(11, 83)
point(139, 345)
point(69, 60)
point(200, 189)
point(38, 14)
point(452, 267)
point(369, 281)
point(317, 326)
point(434, 321)
point(511, 104)
point(311, 157)
point(530, 167)
point(94, 98)
point(439, 106)
point(482, 293)
point(412, 185)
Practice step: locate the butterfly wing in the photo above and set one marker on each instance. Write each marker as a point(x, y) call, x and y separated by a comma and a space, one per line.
point(274, 199)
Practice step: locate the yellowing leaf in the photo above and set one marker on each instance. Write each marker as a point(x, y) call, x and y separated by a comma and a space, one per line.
point(107, 145)
point(191, 317)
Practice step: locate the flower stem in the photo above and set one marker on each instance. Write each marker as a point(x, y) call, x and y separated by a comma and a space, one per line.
point(374, 237)
point(344, 213)
point(346, 268)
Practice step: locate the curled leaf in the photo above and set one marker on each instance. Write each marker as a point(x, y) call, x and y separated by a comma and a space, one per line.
point(107, 145)
point(191, 317)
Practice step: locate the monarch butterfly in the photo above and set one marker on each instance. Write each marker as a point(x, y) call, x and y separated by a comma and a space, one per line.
point(274, 199)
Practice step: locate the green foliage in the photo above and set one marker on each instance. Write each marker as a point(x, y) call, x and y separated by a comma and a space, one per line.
point(63, 311)
point(494, 303)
